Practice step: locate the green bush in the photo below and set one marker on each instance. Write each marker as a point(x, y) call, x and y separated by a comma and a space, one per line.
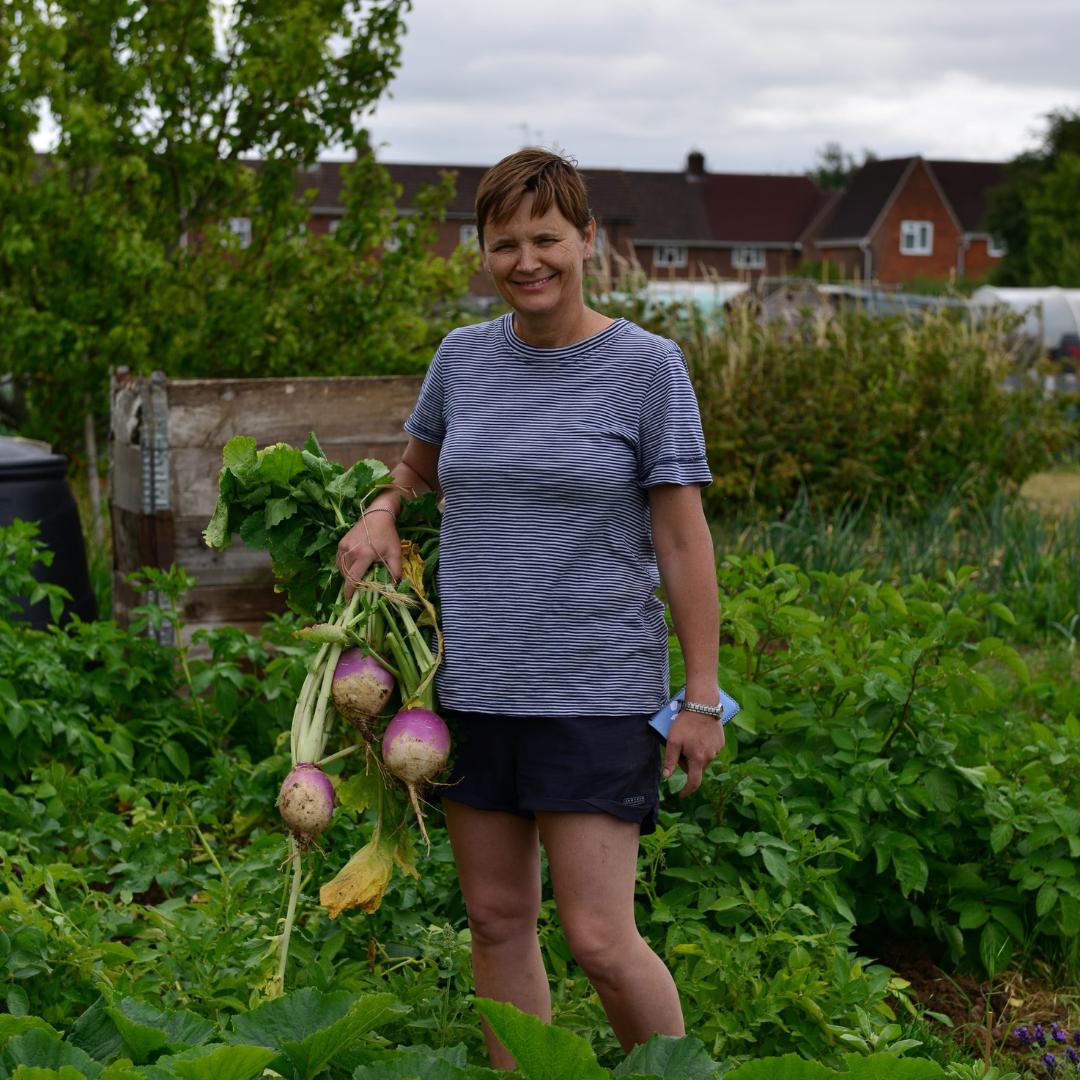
point(892, 411)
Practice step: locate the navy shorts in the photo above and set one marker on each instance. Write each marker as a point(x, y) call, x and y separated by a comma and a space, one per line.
point(590, 764)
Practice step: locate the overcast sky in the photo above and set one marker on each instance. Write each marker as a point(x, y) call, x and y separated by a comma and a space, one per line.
point(757, 85)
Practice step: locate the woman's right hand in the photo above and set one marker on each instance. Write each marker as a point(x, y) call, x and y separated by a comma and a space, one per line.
point(373, 539)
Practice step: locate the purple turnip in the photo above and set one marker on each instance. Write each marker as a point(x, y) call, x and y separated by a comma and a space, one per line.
point(306, 802)
point(362, 686)
point(415, 748)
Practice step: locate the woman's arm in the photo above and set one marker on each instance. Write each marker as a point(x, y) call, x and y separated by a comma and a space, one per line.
point(684, 553)
point(374, 537)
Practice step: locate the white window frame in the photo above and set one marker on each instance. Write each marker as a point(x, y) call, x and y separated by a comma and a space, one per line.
point(599, 250)
point(996, 248)
point(916, 237)
point(675, 256)
point(335, 224)
point(748, 258)
point(468, 236)
point(240, 227)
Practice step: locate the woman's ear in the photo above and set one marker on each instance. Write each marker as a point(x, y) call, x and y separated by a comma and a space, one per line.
point(589, 234)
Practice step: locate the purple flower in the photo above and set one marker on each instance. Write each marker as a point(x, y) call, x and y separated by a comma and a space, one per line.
point(1038, 1035)
point(1058, 1033)
point(1022, 1035)
point(1076, 1037)
point(1050, 1062)
point(1072, 1055)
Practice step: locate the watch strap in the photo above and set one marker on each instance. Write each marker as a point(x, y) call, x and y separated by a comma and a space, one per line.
point(709, 710)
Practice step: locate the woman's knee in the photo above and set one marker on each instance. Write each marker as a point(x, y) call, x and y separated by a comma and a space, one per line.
point(601, 948)
point(502, 918)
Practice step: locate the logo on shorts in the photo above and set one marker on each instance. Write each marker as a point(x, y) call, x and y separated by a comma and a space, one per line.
point(633, 800)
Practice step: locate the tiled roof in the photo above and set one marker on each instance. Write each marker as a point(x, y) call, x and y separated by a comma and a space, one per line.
point(862, 201)
point(967, 186)
point(661, 206)
point(763, 209)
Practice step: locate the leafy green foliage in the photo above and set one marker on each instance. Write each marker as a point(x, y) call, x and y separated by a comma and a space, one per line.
point(1034, 211)
point(297, 505)
point(116, 248)
point(847, 407)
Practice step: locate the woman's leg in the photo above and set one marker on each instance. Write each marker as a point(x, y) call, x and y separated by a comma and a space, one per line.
point(497, 855)
point(593, 862)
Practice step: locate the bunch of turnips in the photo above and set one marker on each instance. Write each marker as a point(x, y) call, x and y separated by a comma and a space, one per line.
point(374, 660)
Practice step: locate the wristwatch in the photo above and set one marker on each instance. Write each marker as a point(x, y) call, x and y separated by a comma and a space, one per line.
point(708, 710)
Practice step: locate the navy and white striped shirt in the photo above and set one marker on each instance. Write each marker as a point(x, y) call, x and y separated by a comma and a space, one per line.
point(547, 573)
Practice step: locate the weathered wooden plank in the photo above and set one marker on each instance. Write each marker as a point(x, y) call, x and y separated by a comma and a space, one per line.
point(209, 412)
point(125, 477)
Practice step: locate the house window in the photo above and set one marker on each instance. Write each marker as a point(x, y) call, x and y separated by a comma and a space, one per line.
point(748, 258)
point(670, 255)
point(334, 225)
point(599, 250)
point(916, 237)
point(996, 248)
point(467, 236)
point(240, 227)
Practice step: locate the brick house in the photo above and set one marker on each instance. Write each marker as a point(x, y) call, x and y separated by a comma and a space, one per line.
point(907, 218)
point(673, 225)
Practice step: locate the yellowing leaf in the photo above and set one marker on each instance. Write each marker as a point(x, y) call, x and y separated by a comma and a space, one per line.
point(361, 882)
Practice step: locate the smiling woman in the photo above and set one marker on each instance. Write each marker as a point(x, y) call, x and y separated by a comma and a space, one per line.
point(568, 448)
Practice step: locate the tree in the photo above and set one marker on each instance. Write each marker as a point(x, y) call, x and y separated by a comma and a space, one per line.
point(835, 166)
point(170, 119)
point(1036, 210)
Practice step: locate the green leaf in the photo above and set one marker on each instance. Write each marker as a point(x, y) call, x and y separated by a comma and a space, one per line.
point(541, 1051)
point(278, 464)
point(884, 1066)
point(219, 1062)
point(415, 1063)
point(788, 1067)
point(38, 1072)
point(146, 1031)
point(1003, 613)
point(278, 510)
point(684, 1058)
point(178, 757)
point(995, 948)
point(18, 1004)
point(911, 869)
point(309, 1027)
point(1045, 900)
point(776, 864)
point(973, 913)
point(217, 534)
point(96, 1033)
point(46, 1050)
point(10, 1026)
point(238, 451)
point(1000, 836)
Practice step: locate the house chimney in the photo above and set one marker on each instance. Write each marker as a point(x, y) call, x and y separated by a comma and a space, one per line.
point(695, 166)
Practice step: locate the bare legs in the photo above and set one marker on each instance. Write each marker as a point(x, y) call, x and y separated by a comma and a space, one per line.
point(593, 861)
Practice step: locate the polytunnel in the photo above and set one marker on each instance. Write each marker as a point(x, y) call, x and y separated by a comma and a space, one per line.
point(1051, 314)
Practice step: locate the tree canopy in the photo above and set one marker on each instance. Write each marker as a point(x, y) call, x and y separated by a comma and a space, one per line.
point(169, 120)
point(835, 166)
point(1036, 211)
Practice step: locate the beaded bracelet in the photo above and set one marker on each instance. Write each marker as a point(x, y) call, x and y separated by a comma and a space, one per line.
point(375, 509)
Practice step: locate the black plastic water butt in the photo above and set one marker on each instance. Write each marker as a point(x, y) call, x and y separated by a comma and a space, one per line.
point(34, 487)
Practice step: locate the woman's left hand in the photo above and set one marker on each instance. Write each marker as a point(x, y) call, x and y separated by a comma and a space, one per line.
point(693, 741)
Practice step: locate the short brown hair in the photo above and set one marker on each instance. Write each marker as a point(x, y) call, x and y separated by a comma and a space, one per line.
point(552, 177)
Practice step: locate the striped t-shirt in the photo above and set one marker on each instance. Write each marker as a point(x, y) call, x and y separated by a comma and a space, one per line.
point(547, 574)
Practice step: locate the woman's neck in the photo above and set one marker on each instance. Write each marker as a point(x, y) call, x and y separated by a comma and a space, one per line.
point(544, 333)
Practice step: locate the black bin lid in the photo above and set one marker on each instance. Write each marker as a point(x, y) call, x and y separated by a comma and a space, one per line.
point(23, 460)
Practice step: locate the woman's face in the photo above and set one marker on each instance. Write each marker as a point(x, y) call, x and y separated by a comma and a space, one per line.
point(537, 263)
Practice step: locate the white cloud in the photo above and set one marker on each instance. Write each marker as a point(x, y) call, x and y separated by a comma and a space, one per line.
point(757, 85)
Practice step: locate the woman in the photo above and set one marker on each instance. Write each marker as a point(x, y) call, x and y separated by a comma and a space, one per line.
point(568, 448)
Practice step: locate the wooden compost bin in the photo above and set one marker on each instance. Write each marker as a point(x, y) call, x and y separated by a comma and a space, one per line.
point(166, 443)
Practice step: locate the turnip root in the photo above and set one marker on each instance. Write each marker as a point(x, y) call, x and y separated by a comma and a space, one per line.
point(362, 686)
point(415, 748)
point(306, 802)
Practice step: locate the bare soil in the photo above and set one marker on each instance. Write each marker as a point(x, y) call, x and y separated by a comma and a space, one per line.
point(1009, 1001)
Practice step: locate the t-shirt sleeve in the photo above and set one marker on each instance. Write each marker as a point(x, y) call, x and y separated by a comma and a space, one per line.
point(672, 444)
point(427, 421)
